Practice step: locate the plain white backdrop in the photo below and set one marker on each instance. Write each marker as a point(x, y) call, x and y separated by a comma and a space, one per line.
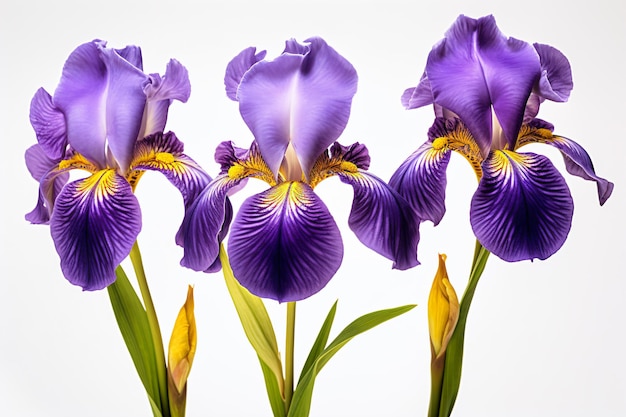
point(543, 339)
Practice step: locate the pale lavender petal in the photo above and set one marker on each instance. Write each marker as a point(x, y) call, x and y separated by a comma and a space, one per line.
point(419, 96)
point(132, 54)
point(94, 225)
point(284, 243)
point(383, 220)
point(556, 74)
point(205, 225)
point(522, 208)
point(293, 47)
point(51, 181)
point(49, 124)
point(125, 103)
point(81, 96)
point(237, 67)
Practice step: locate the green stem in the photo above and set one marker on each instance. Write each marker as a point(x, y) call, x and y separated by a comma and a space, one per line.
point(289, 353)
point(157, 340)
point(454, 352)
point(436, 384)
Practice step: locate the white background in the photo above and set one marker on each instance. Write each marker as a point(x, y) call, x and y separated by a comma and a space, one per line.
point(543, 338)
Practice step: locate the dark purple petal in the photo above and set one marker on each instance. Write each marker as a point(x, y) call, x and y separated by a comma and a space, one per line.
point(237, 67)
point(383, 220)
point(125, 104)
point(227, 154)
point(160, 93)
point(49, 124)
point(284, 243)
point(206, 224)
point(522, 208)
point(94, 225)
point(476, 67)
point(578, 162)
point(556, 74)
point(421, 180)
point(419, 96)
point(356, 153)
point(81, 96)
point(163, 152)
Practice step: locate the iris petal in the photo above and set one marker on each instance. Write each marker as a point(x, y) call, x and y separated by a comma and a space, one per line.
point(163, 152)
point(421, 180)
point(556, 74)
point(43, 169)
point(382, 220)
point(160, 92)
point(419, 96)
point(470, 70)
point(94, 225)
point(205, 225)
point(237, 67)
point(284, 243)
point(522, 208)
point(49, 124)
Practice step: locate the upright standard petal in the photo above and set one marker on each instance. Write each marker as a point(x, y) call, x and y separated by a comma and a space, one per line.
point(470, 71)
point(49, 124)
point(556, 74)
point(284, 243)
point(237, 67)
point(94, 225)
point(522, 208)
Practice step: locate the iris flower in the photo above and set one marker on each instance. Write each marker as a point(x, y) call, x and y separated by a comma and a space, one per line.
point(106, 118)
point(486, 90)
point(284, 243)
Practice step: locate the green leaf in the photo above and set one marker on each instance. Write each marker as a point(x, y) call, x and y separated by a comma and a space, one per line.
point(454, 353)
point(255, 321)
point(320, 341)
point(133, 324)
point(273, 391)
point(301, 403)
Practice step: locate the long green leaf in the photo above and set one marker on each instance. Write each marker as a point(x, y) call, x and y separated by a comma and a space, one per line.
point(454, 353)
point(320, 341)
point(133, 324)
point(255, 321)
point(273, 391)
point(301, 403)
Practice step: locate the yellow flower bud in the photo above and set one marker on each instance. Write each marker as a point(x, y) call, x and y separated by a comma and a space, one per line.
point(182, 346)
point(443, 310)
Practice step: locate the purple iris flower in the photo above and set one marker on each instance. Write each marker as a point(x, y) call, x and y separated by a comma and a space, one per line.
point(106, 118)
point(486, 90)
point(284, 243)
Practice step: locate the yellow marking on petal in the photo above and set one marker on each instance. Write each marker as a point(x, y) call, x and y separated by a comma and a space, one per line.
point(253, 166)
point(326, 167)
point(529, 134)
point(133, 177)
point(101, 184)
point(77, 161)
point(182, 346)
point(440, 143)
point(164, 157)
point(461, 141)
point(443, 310)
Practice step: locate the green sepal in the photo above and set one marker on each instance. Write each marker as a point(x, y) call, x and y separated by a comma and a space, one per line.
point(256, 323)
point(301, 403)
point(454, 353)
point(133, 323)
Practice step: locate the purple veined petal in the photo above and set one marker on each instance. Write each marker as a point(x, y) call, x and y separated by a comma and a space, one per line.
point(265, 102)
point(383, 220)
point(51, 181)
point(556, 74)
point(81, 96)
point(323, 94)
point(578, 162)
point(125, 104)
point(237, 67)
point(421, 180)
point(227, 154)
point(94, 225)
point(522, 208)
point(356, 153)
point(132, 54)
point(293, 47)
point(205, 225)
point(419, 96)
point(532, 108)
point(511, 68)
point(49, 124)
point(284, 244)
point(163, 152)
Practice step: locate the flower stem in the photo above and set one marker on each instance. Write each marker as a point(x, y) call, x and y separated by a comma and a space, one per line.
point(289, 353)
point(155, 330)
